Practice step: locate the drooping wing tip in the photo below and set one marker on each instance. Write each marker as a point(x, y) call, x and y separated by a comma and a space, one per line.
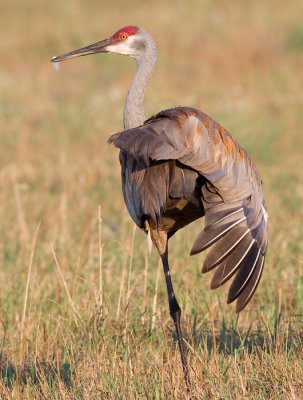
point(249, 290)
point(240, 252)
point(194, 251)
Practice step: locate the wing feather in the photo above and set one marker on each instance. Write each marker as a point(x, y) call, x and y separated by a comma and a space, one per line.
point(239, 259)
point(208, 237)
point(251, 285)
point(235, 215)
point(223, 247)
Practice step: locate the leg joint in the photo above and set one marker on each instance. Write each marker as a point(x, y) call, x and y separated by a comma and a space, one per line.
point(174, 307)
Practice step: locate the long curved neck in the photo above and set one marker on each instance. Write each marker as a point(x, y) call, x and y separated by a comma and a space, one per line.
point(134, 108)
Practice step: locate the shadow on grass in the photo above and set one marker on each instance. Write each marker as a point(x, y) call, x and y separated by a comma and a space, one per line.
point(280, 336)
point(35, 373)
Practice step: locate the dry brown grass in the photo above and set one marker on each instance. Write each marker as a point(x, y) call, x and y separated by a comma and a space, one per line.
point(62, 336)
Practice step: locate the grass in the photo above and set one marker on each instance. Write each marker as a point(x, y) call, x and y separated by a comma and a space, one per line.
point(83, 306)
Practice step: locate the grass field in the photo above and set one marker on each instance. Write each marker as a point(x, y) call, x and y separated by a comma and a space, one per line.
point(83, 306)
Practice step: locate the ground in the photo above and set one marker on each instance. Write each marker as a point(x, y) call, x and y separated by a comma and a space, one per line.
point(83, 305)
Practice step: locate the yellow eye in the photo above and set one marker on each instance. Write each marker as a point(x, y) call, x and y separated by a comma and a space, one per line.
point(123, 36)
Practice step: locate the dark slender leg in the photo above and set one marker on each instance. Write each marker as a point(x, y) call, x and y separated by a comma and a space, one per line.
point(175, 312)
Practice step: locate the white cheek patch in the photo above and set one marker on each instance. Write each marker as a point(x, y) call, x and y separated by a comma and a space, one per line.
point(124, 47)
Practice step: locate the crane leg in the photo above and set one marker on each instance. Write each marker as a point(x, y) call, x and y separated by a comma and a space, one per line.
point(175, 312)
point(160, 239)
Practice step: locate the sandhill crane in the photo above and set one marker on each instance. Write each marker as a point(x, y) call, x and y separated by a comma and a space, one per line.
point(181, 165)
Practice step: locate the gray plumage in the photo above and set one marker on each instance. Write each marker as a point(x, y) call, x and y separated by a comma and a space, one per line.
point(183, 148)
point(179, 166)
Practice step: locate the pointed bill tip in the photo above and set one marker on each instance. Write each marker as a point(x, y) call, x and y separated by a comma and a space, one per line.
point(99, 47)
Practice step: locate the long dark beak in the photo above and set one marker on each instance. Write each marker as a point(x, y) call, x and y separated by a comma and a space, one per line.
point(99, 47)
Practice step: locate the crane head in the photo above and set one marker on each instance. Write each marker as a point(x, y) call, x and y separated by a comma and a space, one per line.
point(130, 41)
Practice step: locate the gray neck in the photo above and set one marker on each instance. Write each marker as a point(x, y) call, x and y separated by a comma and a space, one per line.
point(134, 108)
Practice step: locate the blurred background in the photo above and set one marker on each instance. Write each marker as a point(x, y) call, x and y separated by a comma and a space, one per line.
point(77, 292)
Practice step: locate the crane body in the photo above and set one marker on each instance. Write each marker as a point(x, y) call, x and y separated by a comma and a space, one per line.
point(179, 166)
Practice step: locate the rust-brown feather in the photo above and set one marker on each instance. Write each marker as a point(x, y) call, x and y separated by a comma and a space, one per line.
point(181, 165)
